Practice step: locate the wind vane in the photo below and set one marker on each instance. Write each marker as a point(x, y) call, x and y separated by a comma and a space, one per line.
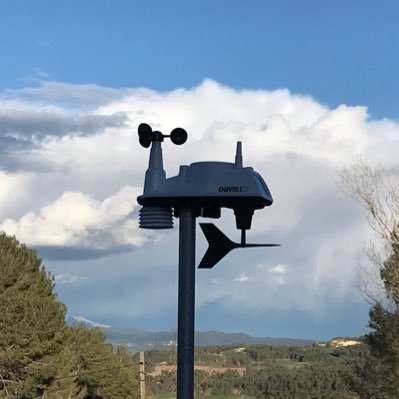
point(201, 189)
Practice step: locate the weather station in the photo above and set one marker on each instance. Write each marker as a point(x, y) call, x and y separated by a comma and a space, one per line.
point(201, 189)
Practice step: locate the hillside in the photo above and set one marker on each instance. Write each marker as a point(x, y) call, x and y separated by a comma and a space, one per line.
point(285, 372)
point(137, 340)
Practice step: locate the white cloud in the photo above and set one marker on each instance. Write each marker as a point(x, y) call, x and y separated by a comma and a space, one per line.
point(243, 278)
point(13, 189)
point(77, 220)
point(279, 269)
point(69, 279)
point(296, 143)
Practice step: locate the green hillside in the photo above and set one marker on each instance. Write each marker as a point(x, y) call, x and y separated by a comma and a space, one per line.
point(262, 371)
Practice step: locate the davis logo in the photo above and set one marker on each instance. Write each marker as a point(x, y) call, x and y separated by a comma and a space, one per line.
point(233, 189)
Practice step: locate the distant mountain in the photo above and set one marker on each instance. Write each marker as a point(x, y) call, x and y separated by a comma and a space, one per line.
point(86, 322)
point(221, 338)
point(137, 340)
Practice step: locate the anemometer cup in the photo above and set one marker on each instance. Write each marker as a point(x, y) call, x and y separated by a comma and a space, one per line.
point(178, 136)
point(145, 135)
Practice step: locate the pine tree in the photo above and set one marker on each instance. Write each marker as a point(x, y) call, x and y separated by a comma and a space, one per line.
point(32, 321)
point(90, 368)
point(40, 355)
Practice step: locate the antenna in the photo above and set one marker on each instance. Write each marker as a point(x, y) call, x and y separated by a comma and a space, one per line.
point(238, 160)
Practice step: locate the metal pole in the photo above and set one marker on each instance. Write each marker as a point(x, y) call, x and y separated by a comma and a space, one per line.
point(186, 299)
point(142, 376)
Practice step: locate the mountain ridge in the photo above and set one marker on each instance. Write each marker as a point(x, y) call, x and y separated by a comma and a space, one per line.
point(136, 339)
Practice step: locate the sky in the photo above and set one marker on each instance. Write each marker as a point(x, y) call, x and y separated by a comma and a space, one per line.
point(307, 86)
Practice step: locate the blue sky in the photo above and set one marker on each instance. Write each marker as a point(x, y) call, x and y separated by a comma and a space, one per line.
point(320, 77)
point(337, 51)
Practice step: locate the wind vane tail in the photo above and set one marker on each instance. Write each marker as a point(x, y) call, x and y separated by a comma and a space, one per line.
point(219, 246)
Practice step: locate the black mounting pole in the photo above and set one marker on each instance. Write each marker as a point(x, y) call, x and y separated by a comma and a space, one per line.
point(186, 304)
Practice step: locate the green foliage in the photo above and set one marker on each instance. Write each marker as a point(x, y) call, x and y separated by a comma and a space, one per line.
point(41, 356)
point(390, 274)
point(379, 378)
point(88, 367)
point(377, 191)
point(31, 319)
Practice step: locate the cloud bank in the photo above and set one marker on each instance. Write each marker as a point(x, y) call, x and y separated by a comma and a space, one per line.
point(75, 220)
point(76, 195)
